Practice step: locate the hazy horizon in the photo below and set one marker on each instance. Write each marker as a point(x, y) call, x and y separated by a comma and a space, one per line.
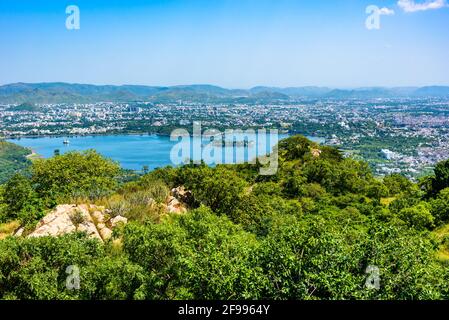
point(225, 87)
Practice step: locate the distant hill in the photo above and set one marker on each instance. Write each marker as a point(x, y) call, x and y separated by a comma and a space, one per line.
point(363, 93)
point(29, 107)
point(434, 91)
point(295, 92)
point(58, 92)
point(374, 92)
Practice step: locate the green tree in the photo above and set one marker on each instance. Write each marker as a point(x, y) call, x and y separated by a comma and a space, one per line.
point(418, 216)
point(440, 206)
point(338, 178)
point(35, 268)
point(295, 147)
point(21, 200)
point(376, 190)
point(441, 179)
point(75, 174)
point(397, 184)
point(219, 188)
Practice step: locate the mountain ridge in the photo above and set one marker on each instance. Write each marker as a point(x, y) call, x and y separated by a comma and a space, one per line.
point(61, 92)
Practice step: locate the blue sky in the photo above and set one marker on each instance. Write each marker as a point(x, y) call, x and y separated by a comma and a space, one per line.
point(231, 43)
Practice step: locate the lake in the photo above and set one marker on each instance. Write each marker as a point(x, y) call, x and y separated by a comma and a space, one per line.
point(131, 151)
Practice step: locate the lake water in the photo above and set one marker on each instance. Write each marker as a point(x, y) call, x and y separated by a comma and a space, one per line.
point(131, 151)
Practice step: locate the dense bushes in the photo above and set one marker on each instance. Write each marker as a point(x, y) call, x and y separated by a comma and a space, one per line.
point(13, 159)
point(21, 200)
point(85, 174)
point(440, 206)
point(35, 268)
point(203, 256)
point(321, 228)
point(198, 255)
point(441, 179)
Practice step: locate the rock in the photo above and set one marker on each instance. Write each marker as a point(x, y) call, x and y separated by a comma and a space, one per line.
point(90, 229)
point(60, 210)
point(172, 201)
point(106, 233)
point(182, 195)
point(101, 226)
point(176, 202)
point(174, 206)
point(19, 232)
point(118, 219)
point(69, 218)
point(316, 153)
point(98, 217)
point(56, 223)
point(176, 209)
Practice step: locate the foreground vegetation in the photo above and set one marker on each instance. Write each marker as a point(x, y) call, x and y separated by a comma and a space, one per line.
point(312, 231)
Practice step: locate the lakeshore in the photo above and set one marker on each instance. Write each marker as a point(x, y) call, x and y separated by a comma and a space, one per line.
point(132, 151)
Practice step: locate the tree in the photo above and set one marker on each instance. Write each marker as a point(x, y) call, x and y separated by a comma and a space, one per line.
point(376, 190)
point(418, 216)
point(440, 206)
point(253, 213)
point(406, 261)
point(21, 200)
point(35, 268)
point(295, 147)
point(304, 259)
point(293, 184)
point(441, 179)
point(75, 174)
point(338, 177)
point(220, 189)
point(397, 184)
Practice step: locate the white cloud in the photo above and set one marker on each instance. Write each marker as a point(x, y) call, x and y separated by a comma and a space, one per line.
point(386, 11)
point(411, 6)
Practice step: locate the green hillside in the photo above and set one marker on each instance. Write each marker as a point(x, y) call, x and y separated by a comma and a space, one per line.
point(58, 92)
point(13, 158)
point(321, 227)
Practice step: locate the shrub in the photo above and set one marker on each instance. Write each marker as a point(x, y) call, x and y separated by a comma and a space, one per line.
point(22, 201)
point(75, 174)
point(418, 216)
point(440, 206)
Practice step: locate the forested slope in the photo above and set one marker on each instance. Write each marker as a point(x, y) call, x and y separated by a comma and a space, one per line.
point(321, 228)
point(12, 159)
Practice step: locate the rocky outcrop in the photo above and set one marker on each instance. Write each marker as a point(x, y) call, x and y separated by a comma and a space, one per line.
point(96, 221)
point(117, 220)
point(55, 223)
point(19, 232)
point(90, 219)
point(178, 200)
point(316, 153)
point(184, 196)
point(175, 206)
